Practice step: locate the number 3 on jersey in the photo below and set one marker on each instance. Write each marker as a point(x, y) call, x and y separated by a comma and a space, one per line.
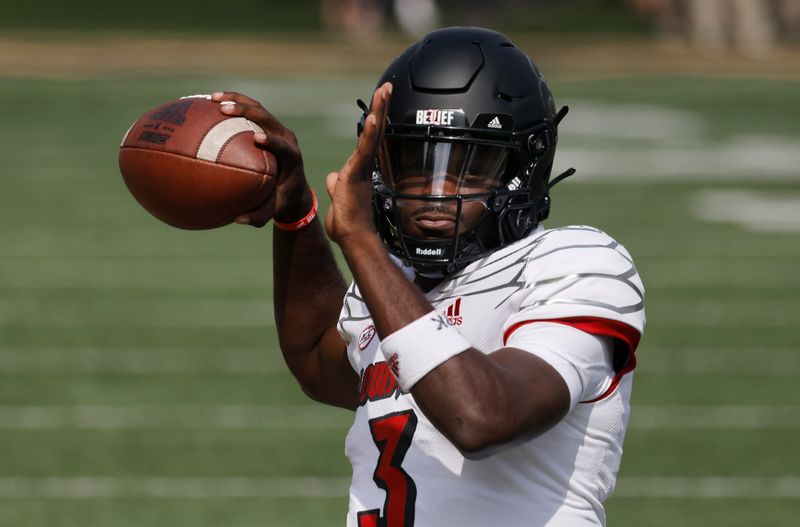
point(392, 434)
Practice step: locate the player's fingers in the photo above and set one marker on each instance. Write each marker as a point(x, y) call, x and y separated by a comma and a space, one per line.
point(220, 96)
point(233, 103)
point(258, 217)
point(287, 153)
point(370, 138)
point(253, 112)
point(232, 108)
point(380, 109)
point(383, 107)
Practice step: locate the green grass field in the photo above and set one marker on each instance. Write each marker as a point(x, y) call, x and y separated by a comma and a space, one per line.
point(140, 383)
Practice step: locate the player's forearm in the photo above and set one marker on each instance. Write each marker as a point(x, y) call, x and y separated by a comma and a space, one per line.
point(308, 290)
point(447, 392)
point(475, 400)
point(478, 401)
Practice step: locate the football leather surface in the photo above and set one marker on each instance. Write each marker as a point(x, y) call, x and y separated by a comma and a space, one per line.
point(193, 167)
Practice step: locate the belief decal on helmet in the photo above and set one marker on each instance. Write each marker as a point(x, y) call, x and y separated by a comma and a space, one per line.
point(439, 117)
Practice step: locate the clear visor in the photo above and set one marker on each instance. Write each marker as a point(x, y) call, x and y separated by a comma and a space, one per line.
point(433, 168)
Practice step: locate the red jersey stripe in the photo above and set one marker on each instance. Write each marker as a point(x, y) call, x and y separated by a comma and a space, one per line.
point(602, 327)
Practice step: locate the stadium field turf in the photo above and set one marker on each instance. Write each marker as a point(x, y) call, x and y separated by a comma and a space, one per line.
point(140, 382)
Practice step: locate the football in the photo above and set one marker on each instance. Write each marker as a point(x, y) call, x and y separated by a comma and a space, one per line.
point(193, 167)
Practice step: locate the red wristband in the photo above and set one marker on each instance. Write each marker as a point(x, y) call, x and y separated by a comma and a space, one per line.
point(302, 223)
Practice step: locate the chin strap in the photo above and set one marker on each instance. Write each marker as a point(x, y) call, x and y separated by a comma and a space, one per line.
point(561, 113)
point(564, 175)
point(561, 177)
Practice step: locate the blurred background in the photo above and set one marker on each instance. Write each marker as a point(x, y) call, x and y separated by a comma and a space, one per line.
point(140, 381)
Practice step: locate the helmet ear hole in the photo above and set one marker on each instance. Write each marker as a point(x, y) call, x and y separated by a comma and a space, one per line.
point(498, 202)
point(536, 145)
point(543, 211)
point(540, 141)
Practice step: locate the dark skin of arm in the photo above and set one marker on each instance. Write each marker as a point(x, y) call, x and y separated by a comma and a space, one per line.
point(475, 400)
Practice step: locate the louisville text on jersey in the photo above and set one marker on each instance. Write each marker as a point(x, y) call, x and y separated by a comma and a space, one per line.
point(377, 382)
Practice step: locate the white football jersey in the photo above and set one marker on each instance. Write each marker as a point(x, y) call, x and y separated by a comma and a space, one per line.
point(406, 473)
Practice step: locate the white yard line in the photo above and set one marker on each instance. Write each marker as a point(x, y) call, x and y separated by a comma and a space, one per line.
point(657, 142)
point(158, 313)
point(337, 487)
point(727, 417)
point(300, 417)
point(225, 417)
point(751, 210)
point(709, 487)
point(250, 313)
point(766, 158)
point(148, 273)
point(174, 487)
point(713, 313)
point(138, 361)
point(267, 361)
point(720, 361)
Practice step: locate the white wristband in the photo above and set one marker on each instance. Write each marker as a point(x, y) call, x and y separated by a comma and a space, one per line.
point(420, 347)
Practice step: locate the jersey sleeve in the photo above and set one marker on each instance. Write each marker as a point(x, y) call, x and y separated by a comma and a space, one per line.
point(584, 361)
point(581, 278)
point(354, 319)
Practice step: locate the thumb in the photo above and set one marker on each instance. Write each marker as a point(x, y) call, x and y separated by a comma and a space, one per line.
point(330, 183)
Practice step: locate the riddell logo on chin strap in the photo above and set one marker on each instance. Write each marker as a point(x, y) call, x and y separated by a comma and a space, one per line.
point(428, 251)
point(454, 313)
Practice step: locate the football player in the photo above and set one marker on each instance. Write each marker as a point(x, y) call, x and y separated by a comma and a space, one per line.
point(486, 358)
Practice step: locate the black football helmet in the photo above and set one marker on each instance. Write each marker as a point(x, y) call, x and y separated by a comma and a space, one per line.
point(471, 128)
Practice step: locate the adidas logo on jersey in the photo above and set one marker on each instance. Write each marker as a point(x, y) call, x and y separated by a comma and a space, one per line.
point(454, 313)
point(494, 123)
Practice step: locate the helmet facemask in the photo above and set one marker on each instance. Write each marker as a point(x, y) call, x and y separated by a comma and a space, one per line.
point(445, 197)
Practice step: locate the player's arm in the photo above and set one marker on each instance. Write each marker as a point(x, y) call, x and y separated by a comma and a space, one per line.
point(308, 285)
point(308, 297)
point(475, 400)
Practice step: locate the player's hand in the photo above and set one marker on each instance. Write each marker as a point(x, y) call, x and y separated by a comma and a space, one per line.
point(292, 197)
point(350, 189)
